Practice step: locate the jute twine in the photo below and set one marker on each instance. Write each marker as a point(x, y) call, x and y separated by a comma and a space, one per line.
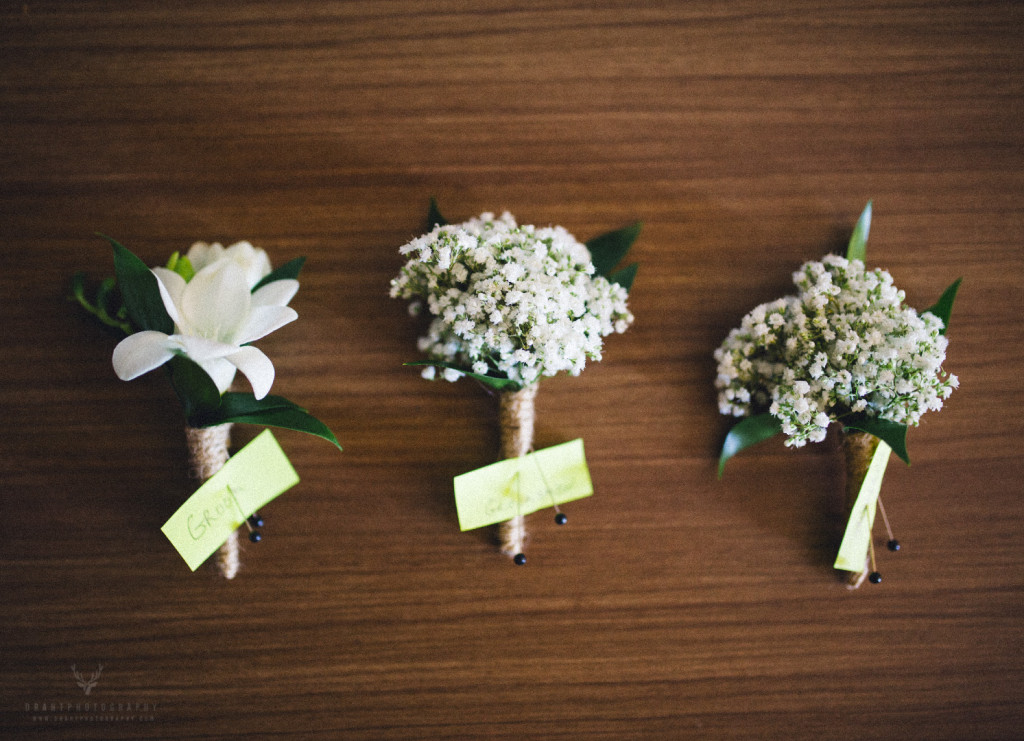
point(208, 452)
point(517, 417)
point(858, 450)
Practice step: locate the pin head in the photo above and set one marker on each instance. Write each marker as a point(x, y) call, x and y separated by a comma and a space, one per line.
point(875, 578)
point(519, 559)
point(256, 521)
point(561, 519)
point(255, 536)
point(893, 545)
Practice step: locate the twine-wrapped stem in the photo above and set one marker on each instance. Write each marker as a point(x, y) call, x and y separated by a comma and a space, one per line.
point(208, 452)
point(517, 416)
point(858, 450)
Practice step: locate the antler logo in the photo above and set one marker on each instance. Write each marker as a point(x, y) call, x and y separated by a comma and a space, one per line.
point(88, 684)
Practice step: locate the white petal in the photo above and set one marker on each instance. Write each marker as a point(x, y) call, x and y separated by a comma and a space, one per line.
point(263, 320)
point(171, 286)
point(277, 293)
point(200, 349)
point(253, 261)
point(140, 353)
point(257, 368)
point(216, 301)
point(221, 371)
point(202, 254)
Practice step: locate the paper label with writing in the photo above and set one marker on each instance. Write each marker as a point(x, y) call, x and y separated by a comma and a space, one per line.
point(519, 486)
point(854, 547)
point(253, 476)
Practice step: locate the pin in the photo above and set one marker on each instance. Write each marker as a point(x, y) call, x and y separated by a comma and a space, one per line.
point(253, 522)
point(874, 577)
point(520, 558)
point(893, 544)
point(560, 517)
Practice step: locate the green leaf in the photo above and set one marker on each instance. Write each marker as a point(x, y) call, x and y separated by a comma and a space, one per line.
point(104, 294)
point(140, 291)
point(626, 276)
point(434, 217)
point(893, 433)
point(99, 310)
point(748, 431)
point(194, 388)
point(236, 403)
point(272, 411)
point(857, 248)
point(608, 250)
point(494, 382)
point(289, 270)
point(944, 306)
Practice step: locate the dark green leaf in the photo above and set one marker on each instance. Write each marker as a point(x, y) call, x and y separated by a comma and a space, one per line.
point(494, 382)
point(140, 291)
point(857, 249)
point(289, 270)
point(99, 309)
point(290, 419)
point(944, 306)
point(195, 389)
point(748, 431)
point(608, 250)
point(626, 276)
point(235, 403)
point(273, 411)
point(434, 217)
point(893, 433)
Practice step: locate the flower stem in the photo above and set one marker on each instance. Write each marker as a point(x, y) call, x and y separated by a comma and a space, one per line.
point(208, 452)
point(517, 417)
point(858, 450)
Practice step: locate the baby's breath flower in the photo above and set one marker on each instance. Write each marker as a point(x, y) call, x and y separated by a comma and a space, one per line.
point(513, 301)
point(844, 344)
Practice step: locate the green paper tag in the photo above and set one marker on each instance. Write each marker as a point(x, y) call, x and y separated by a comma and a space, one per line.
point(519, 486)
point(253, 476)
point(858, 530)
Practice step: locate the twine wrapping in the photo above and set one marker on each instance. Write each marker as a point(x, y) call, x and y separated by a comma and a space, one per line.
point(517, 417)
point(858, 450)
point(208, 452)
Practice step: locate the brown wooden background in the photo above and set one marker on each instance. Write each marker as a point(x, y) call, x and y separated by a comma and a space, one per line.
point(747, 136)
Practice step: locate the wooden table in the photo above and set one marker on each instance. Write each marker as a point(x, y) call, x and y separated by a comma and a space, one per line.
point(672, 605)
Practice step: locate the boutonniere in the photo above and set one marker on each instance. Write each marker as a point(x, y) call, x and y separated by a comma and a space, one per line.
point(197, 317)
point(509, 304)
point(844, 349)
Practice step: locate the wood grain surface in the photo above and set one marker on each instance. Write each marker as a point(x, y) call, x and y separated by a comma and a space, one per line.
point(746, 136)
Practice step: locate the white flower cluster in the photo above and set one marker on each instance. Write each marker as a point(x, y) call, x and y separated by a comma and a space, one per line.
point(844, 344)
point(514, 301)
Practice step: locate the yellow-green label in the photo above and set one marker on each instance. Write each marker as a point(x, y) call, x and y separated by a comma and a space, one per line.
point(253, 476)
point(854, 547)
point(519, 486)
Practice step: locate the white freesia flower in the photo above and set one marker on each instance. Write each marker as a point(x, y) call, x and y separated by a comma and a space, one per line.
point(215, 316)
point(252, 260)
